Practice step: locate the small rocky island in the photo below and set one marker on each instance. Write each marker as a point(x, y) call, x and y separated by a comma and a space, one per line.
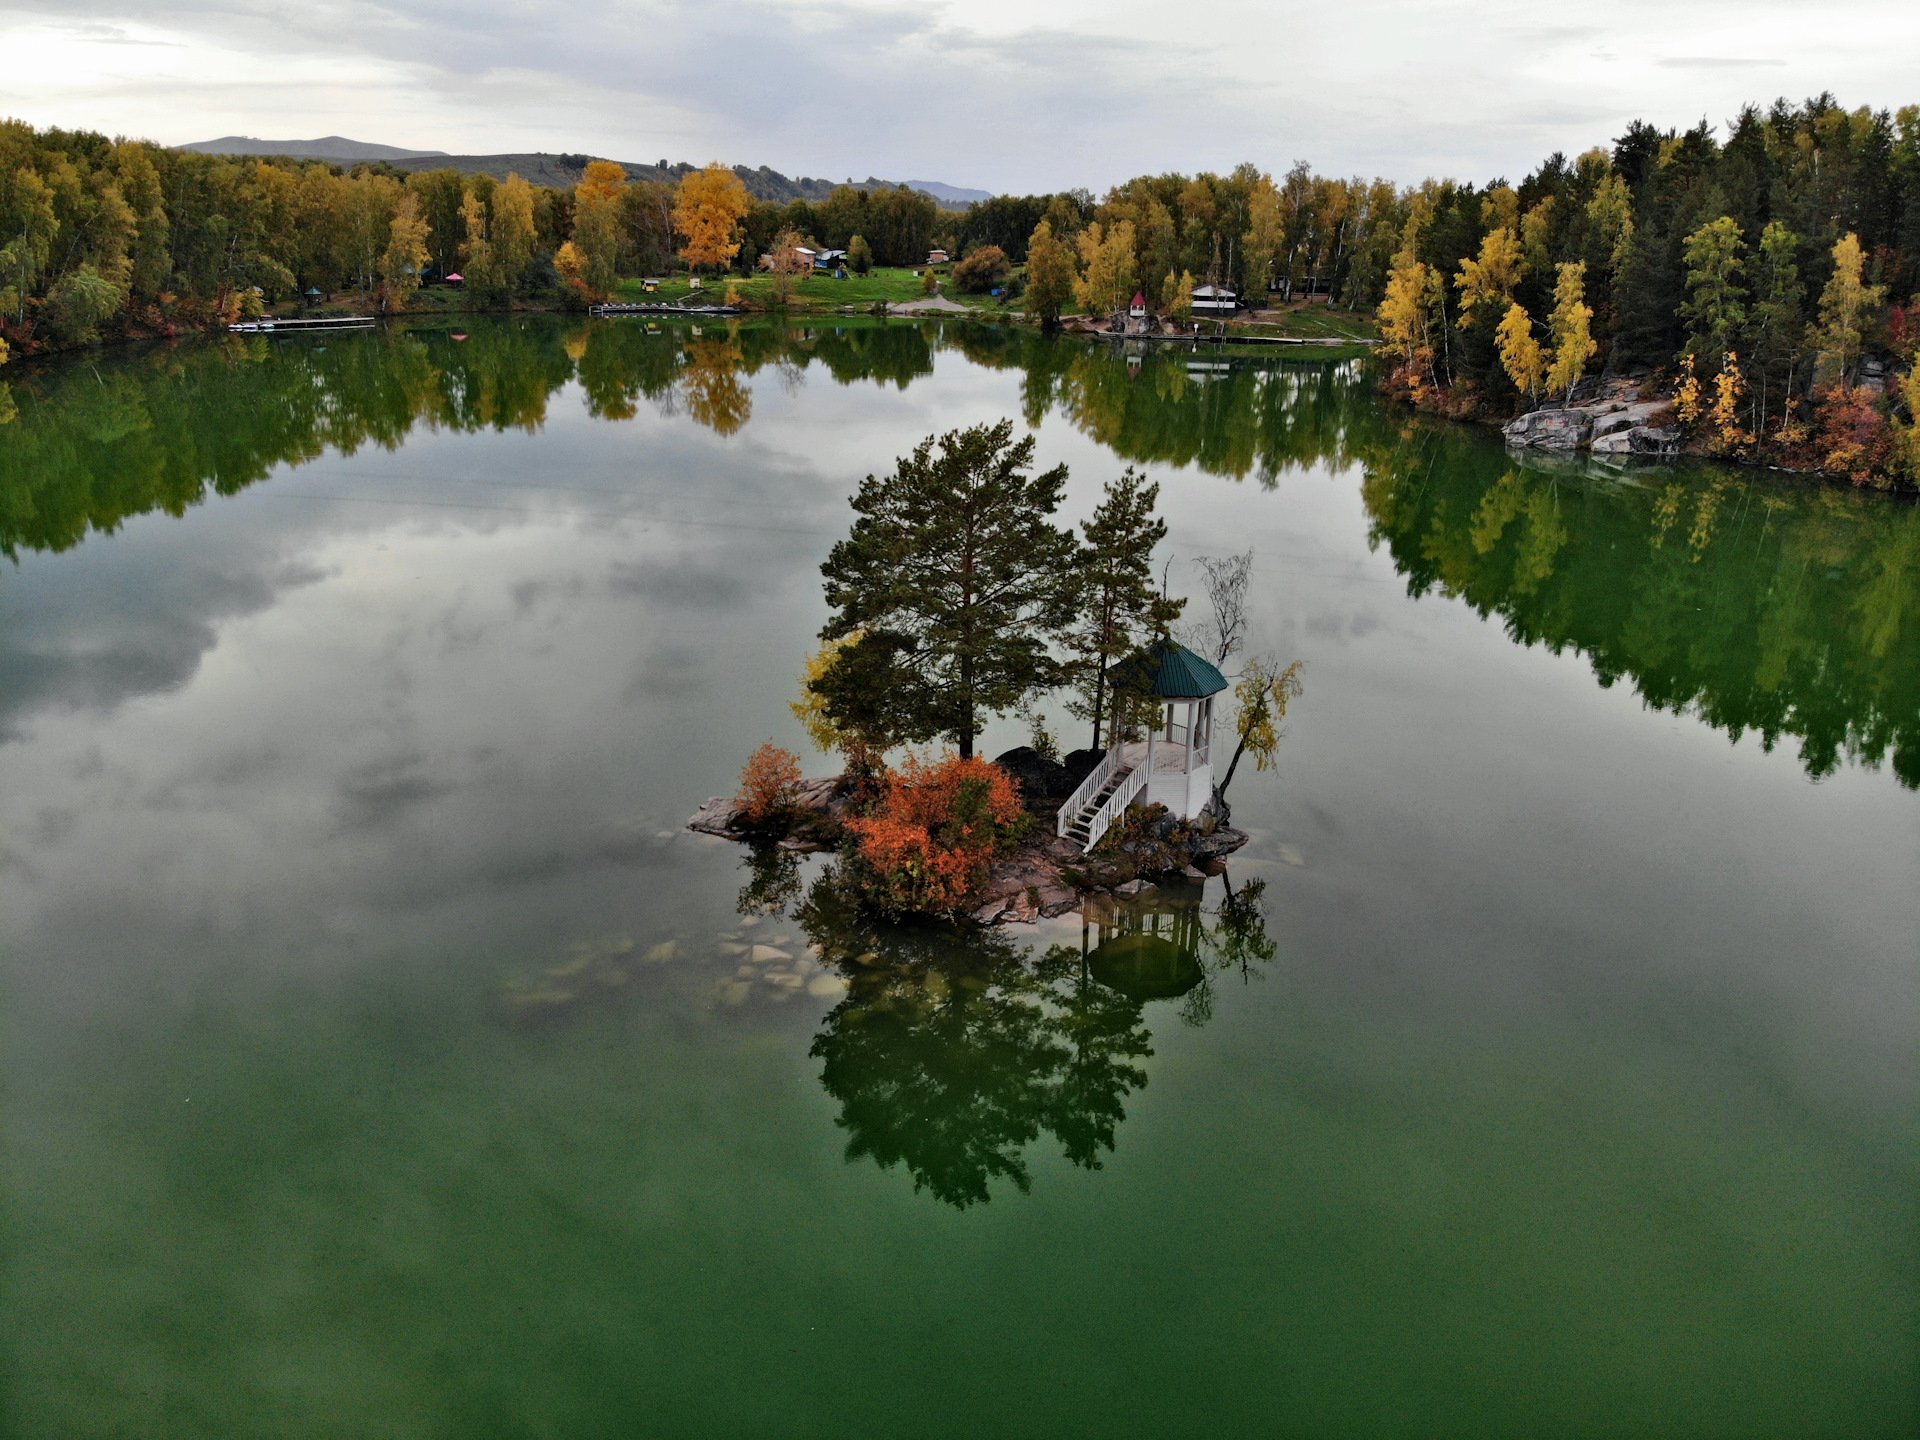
point(1048, 875)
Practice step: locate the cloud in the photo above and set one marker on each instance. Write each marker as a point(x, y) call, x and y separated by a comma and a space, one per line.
point(1717, 62)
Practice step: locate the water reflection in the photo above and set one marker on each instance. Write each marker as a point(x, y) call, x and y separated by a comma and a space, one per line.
point(955, 1050)
point(1786, 609)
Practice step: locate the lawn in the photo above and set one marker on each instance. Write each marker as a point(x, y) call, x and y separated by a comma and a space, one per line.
point(815, 292)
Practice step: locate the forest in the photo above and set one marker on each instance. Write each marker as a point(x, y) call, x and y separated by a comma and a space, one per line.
point(1768, 278)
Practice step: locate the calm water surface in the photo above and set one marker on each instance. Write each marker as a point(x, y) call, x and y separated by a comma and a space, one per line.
point(381, 1058)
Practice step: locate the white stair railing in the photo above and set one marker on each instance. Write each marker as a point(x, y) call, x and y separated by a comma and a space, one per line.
point(1089, 787)
point(1116, 804)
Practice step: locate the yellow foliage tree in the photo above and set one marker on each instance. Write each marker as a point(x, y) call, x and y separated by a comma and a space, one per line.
point(1050, 274)
point(572, 268)
point(1520, 354)
point(514, 232)
point(1724, 435)
point(1414, 294)
point(1845, 307)
point(1906, 437)
point(1490, 280)
point(707, 211)
point(1571, 328)
point(1108, 280)
point(405, 255)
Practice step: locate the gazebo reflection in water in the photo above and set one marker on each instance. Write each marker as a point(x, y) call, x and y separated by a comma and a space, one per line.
point(1147, 947)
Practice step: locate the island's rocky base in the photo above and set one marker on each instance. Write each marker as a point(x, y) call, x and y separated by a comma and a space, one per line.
point(1048, 876)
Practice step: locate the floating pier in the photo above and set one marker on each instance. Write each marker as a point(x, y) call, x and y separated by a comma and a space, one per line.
point(330, 322)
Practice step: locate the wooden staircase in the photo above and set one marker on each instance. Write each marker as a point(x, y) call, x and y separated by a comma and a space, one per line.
point(1101, 798)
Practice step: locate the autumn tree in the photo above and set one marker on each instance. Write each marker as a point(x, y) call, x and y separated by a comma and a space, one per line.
point(985, 269)
point(480, 272)
point(514, 231)
point(1846, 304)
point(1107, 280)
point(1520, 354)
point(1412, 318)
point(1265, 237)
point(1051, 274)
point(1118, 609)
point(1486, 284)
point(1570, 328)
point(954, 572)
point(707, 211)
point(596, 224)
point(1261, 697)
point(787, 261)
point(405, 255)
point(859, 255)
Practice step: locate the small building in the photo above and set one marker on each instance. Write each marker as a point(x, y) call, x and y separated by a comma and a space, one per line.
point(650, 285)
point(1172, 765)
point(1214, 300)
point(829, 259)
point(1138, 309)
point(936, 256)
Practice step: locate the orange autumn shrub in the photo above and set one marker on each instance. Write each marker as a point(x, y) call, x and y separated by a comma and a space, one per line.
point(1852, 436)
point(768, 783)
point(929, 842)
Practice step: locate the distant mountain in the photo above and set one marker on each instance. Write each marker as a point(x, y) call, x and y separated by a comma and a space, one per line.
point(327, 147)
point(950, 195)
point(560, 171)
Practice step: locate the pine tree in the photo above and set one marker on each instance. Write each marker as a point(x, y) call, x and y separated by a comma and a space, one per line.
point(959, 578)
point(1118, 607)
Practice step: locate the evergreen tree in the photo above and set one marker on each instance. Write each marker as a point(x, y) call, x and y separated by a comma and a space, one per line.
point(1715, 307)
point(958, 577)
point(1118, 609)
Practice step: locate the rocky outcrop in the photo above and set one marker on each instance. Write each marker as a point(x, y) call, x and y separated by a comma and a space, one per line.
point(1610, 421)
point(1561, 429)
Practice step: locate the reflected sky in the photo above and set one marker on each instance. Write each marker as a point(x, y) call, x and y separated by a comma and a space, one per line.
point(1589, 1025)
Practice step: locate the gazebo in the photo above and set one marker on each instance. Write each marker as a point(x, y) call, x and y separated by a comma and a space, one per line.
point(1173, 764)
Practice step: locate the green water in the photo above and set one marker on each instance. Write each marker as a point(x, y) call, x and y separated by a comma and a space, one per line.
point(378, 1060)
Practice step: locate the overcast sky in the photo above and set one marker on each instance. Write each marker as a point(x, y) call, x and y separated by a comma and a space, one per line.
point(1005, 95)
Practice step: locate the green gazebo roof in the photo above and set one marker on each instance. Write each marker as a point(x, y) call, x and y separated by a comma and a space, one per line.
point(1171, 671)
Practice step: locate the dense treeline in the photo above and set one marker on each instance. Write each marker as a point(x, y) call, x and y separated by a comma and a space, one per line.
point(110, 238)
point(1773, 277)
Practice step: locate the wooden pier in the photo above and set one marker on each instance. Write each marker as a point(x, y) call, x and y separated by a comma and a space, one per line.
point(330, 322)
point(663, 309)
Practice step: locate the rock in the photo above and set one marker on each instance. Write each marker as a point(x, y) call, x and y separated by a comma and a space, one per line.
point(767, 954)
point(1079, 764)
point(1550, 429)
point(733, 992)
point(661, 953)
point(1133, 888)
point(1629, 417)
point(827, 987)
point(723, 815)
point(1039, 777)
point(1223, 841)
point(1640, 440)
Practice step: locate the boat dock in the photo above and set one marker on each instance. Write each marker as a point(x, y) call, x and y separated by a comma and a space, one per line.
point(663, 309)
point(330, 322)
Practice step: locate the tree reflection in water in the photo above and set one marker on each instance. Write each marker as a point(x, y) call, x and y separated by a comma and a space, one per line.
point(956, 1049)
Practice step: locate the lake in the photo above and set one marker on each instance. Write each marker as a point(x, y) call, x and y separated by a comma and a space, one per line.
point(383, 1058)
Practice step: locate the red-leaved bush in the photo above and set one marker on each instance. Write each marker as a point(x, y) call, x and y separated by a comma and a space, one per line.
point(768, 782)
point(927, 845)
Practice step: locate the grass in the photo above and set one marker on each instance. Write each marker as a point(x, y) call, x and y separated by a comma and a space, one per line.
point(1313, 321)
point(895, 286)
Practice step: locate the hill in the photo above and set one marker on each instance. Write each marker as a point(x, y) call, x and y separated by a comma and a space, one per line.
point(561, 170)
point(327, 147)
